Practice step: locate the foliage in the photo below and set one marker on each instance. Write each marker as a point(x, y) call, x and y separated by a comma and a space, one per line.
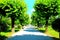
point(13, 9)
point(56, 24)
point(2, 37)
point(24, 19)
point(37, 20)
point(3, 26)
point(51, 19)
point(46, 10)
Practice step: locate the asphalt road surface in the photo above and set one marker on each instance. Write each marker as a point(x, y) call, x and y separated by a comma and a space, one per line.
point(29, 33)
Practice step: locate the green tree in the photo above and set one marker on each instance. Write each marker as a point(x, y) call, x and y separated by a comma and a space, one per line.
point(37, 20)
point(13, 9)
point(2, 13)
point(47, 10)
point(24, 19)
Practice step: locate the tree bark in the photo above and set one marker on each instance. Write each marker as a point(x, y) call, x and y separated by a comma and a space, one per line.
point(59, 35)
point(46, 25)
point(37, 23)
point(12, 22)
point(0, 22)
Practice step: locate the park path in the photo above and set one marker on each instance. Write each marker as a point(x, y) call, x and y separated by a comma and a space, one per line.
point(29, 33)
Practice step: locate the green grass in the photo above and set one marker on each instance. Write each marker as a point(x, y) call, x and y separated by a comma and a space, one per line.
point(9, 33)
point(53, 32)
point(50, 32)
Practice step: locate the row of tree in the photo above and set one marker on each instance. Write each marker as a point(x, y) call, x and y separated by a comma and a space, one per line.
point(45, 11)
point(15, 10)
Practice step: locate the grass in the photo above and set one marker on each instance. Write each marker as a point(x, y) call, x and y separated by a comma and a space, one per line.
point(53, 33)
point(50, 32)
point(9, 33)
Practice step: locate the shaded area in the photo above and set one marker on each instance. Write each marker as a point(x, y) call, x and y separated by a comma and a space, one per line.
point(3, 26)
point(55, 38)
point(2, 37)
point(16, 30)
point(42, 31)
point(8, 31)
point(56, 24)
point(32, 30)
point(30, 37)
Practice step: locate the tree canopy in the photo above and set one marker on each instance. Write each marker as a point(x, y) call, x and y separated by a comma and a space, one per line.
point(43, 11)
point(13, 9)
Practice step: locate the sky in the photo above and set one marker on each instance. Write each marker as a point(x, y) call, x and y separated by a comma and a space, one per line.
point(30, 4)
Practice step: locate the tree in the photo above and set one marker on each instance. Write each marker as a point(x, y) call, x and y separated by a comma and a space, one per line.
point(47, 10)
point(13, 9)
point(56, 25)
point(35, 19)
point(2, 13)
point(24, 19)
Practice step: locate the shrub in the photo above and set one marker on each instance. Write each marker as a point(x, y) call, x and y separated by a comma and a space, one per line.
point(2, 37)
point(3, 26)
point(56, 24)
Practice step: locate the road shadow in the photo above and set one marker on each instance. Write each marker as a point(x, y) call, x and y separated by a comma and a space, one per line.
point(30, 37)
point(32, 30)
point(35, 30)
point(55, 38)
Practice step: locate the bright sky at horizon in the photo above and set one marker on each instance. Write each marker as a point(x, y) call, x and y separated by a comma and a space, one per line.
point(30, 4)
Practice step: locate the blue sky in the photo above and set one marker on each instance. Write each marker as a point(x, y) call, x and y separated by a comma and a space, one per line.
point(30, 4)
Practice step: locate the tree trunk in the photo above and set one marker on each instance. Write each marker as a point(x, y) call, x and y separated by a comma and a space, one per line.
point(59, 35)
point(46, 29)
point(12, 22)
point(0, 22)
point(38, 24)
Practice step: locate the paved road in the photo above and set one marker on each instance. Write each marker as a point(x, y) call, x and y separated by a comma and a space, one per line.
point(29, 33)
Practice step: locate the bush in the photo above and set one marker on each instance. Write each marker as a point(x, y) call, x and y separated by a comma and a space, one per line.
point(3, 37)
point(3, 26)
point(56, 24)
